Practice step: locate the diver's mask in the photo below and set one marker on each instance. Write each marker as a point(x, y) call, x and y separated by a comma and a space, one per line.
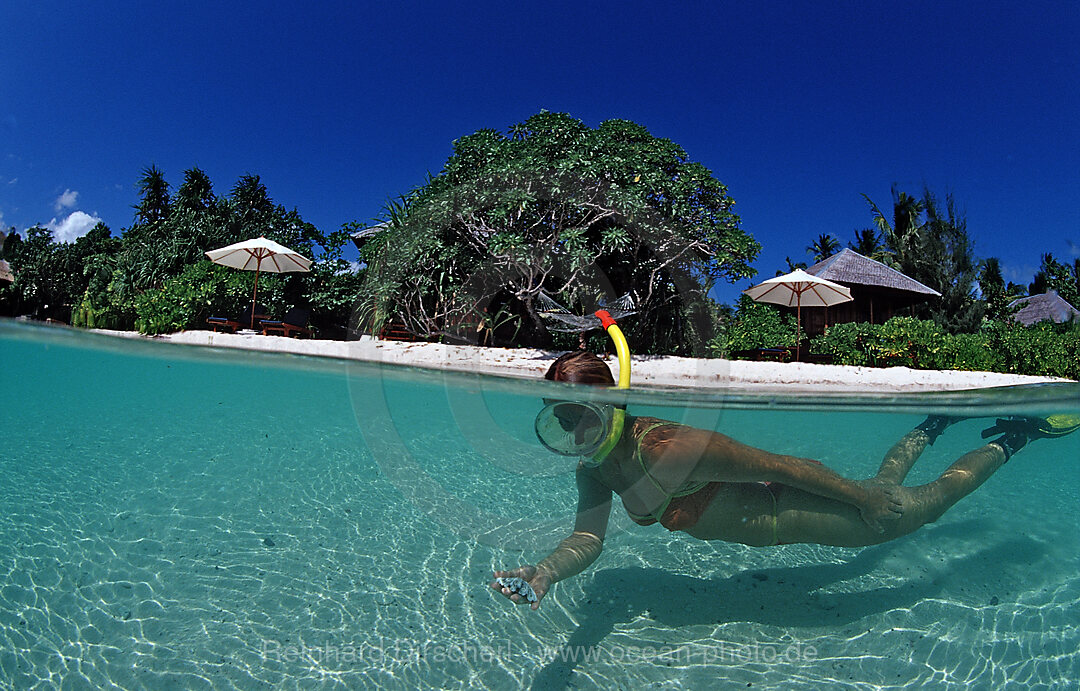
point(589, 430)
point(574, 428)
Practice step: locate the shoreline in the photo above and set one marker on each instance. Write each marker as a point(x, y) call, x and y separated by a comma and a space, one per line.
point(648, 370)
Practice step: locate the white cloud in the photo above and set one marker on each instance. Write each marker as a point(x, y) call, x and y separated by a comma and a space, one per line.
point(66, 200)
point(1021, 275)
point(73, 227)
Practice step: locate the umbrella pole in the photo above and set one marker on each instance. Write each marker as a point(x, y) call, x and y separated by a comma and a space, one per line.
point(798, 328)
point(255, 294)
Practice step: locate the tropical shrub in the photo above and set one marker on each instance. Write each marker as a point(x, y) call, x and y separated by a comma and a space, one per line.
point(203, 289)
point(846, 343)
point(755, 325)
point(1044, 349)
point(972, 352)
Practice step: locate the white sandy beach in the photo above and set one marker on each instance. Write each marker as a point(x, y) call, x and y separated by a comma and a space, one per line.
point(648, 370)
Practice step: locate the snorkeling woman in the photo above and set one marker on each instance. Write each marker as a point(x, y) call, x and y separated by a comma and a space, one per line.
point(714, 488)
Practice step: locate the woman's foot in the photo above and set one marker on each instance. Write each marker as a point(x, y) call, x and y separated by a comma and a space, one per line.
point(1018, 431)
point(934, 425)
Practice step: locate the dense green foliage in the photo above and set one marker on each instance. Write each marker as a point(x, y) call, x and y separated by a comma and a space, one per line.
point(754, 325)
point(48, 275)
point(202, 290)
point(1043, 349)
point(558, 207)
point(155, 277)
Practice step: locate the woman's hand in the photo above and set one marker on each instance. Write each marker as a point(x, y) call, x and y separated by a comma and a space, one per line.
point(882, 504)
point(536, 578)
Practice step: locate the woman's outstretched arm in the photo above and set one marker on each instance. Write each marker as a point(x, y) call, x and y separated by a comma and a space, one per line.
point(578, 551)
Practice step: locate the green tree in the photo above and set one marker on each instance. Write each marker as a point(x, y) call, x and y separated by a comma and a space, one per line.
point(929, 242)
point(50, 277)
point(103, 281)
point(868, 243)
point(579, 213)
point(824, 247)
point(196, 193)
point(903, 237)
point(170, 236)
point(1059, 277)
point(754, 325)
point(993, 290)
point(791, 266)
point(34, 259)
point(949, 267)
point(154, 202)
point(1038, 284)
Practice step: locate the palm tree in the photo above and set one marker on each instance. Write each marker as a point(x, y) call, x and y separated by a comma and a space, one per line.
point(154, 193)
point(868, 244)
point(904, 237)
point(992, 288)
point(824, 247)
point(519, 131)
point(1058, 276)
point(196, 193)
point(990, 275)
point(791, 266)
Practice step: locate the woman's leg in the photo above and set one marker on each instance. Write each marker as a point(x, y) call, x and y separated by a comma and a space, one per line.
point(805, 517)
point(899, 459)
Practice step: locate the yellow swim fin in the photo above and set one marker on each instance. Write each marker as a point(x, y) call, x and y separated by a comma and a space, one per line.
point(1058, 425)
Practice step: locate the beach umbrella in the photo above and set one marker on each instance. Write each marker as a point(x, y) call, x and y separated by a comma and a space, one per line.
point(259, 255)
point(799, 289)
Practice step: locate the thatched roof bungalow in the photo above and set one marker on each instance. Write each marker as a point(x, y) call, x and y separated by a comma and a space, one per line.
point(1046, 306)
point(879, 291)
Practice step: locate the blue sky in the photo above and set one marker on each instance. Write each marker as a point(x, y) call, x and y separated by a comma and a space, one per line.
point(797, 107)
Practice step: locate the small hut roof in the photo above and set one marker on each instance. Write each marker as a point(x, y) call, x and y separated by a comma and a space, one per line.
point(361, 236)
point(1049, 305)
point(851, 268)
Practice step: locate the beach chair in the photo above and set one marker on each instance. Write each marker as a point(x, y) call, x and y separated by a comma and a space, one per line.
point(223, 324)
point(226, 325)
point(294, 323)
point(396, 331)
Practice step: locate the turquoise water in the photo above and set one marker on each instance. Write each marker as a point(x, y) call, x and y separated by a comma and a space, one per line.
point(175, 517)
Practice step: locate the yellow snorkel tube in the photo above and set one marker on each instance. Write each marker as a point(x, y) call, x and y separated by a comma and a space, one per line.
point(619, 416)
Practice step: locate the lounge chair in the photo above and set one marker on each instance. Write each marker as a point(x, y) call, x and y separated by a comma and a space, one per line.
point(294, 323)
point(242, 322)
point(396, 331)
point(223, 324)
point(778, 354)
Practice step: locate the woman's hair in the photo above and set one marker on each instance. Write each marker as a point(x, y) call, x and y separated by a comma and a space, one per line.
point(580, 367)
